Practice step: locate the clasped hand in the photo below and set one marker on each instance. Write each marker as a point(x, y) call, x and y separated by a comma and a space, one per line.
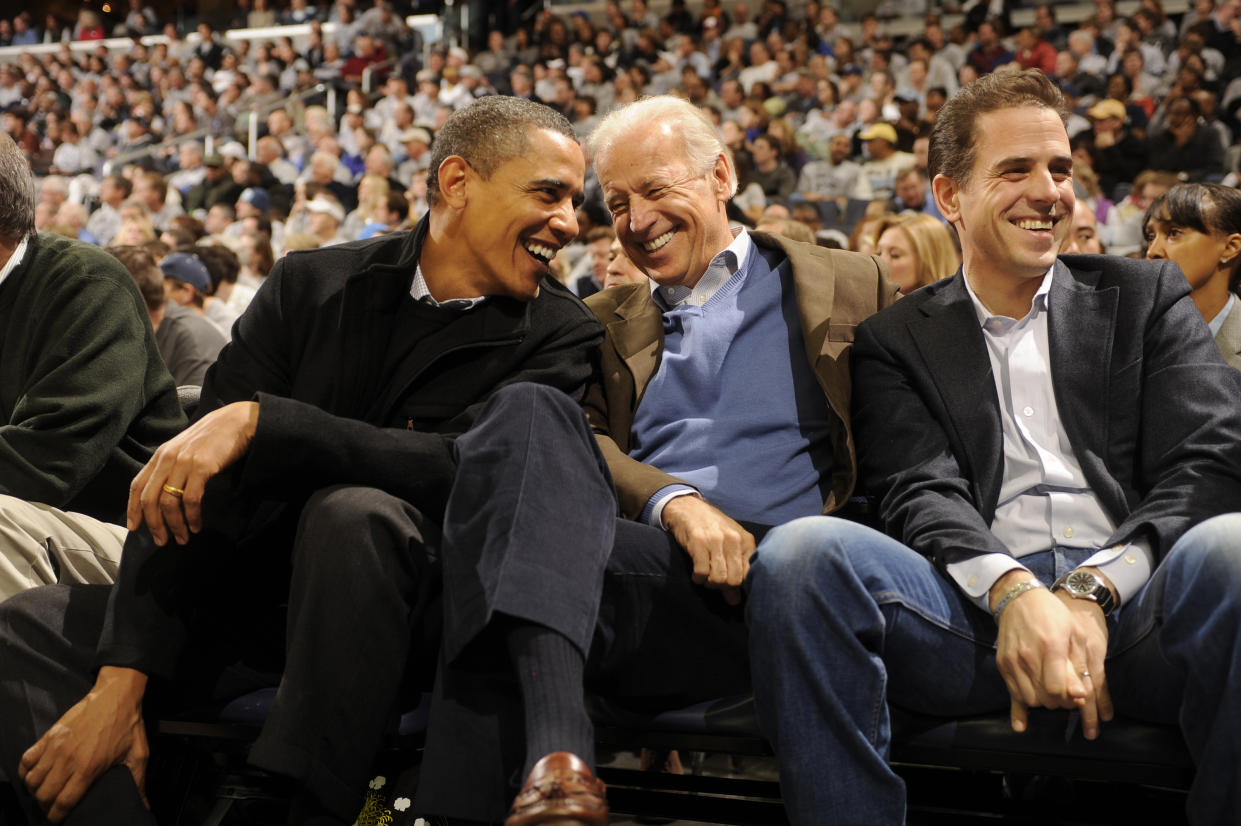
point(717, 544)
point(1050, 650)
point(185, 463)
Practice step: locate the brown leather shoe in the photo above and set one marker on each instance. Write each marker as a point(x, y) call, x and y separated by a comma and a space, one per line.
point(560, 789)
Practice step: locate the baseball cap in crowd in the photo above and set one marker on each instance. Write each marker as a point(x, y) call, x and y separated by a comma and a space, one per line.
point(326, 206)
point(1109, 108)
point(233, 149)
point(416, 133)
point(256, 198)
point(213, 160)
point(884, 131)
point(187, 268)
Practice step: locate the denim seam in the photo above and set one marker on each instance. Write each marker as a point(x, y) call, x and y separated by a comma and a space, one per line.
point(896, 598)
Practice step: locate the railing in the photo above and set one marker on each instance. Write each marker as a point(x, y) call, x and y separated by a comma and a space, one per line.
point(428, 25)
point(252, 116)
point(369, 72)
point(206, 135)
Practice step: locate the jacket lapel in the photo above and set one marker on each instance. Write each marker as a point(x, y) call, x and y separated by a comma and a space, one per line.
point(1081, 325)
point(637, 333)
point(955, 356)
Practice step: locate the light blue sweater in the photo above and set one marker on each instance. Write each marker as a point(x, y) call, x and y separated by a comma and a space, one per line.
point(734, 408)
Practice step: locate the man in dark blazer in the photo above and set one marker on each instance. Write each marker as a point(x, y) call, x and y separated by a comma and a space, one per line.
point(1053, 446)
point(317, 475)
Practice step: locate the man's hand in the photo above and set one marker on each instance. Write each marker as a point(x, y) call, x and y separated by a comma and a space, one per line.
point(185, 463)
point(103, 730)
point(1050, 651)
point(720, 548)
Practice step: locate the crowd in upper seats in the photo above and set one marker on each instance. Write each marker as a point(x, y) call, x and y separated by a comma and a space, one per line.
point(827, 120)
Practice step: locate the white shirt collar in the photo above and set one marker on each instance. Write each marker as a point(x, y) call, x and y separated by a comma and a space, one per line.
point(421, 292)
point(987, 319)
point(1216, 323)
point(723, 266)
point(14, 259)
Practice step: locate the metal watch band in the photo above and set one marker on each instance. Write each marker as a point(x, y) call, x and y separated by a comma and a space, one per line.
point(1014, 592)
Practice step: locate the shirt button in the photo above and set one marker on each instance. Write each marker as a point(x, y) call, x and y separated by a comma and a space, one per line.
point(1131, 559)
point(1027, 411)
point(1068, 533)
point(972, 581)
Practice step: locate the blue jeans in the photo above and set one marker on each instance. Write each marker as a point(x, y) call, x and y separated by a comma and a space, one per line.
point(844, 620)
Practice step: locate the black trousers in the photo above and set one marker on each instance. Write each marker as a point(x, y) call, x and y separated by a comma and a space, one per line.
point(533, 486)
point(332, 615)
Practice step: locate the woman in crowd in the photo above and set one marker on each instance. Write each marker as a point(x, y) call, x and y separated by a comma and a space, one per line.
point(917, 249)
point(1198, 226)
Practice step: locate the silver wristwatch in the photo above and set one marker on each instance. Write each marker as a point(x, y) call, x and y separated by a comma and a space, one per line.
point(1085, 585)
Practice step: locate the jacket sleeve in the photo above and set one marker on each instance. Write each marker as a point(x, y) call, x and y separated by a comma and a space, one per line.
point(1188, 445)
point(906, 459)
point(299, 446)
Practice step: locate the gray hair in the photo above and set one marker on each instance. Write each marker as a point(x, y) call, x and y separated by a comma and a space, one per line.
point(700, 140)
point(489, 133)
point(17, 193)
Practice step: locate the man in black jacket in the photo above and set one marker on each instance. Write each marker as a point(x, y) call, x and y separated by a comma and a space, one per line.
point(317, 474)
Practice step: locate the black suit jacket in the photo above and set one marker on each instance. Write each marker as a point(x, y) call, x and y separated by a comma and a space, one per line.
point(1152, 411)
point(339, 404)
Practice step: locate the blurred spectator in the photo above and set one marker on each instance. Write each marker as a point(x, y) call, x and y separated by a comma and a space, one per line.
point(188, 343)
point(918, 249)
point(885, 161)
point(1186, 145)
point(1083, 237)
point(1117, 153)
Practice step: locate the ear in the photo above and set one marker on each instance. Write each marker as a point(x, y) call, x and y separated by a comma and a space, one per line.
point(720, 175)
point(1232, 248)
point(946, 193)
point(454, 173)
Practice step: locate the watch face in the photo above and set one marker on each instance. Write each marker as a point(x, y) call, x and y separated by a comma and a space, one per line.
point(1081, 582)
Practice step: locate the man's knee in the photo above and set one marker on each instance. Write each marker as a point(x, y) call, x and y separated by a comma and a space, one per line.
point(799, 550)
point(1208, 558)
point(525, 408)
point(349, 516)
point(797, 560)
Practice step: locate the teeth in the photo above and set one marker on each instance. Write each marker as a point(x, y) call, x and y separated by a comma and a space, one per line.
point(1029, 224)
point(543, 253)
point(651, 246)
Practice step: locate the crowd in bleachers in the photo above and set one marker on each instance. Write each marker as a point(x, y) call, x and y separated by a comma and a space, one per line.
point(827, 119)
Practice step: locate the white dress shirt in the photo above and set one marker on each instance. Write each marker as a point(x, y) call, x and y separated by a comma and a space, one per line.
point(1045, 499)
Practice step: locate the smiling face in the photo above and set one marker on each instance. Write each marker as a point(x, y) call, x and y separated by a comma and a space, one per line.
point(669, 217)
point(515, 221)
point(1014, 213)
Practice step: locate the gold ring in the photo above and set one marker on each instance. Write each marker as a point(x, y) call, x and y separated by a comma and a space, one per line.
point(177, 492)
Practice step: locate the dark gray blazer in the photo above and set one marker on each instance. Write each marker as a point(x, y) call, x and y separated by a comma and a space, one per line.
point(1152, 411)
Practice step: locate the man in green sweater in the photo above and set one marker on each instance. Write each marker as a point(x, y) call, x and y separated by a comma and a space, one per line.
point(84, 397)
